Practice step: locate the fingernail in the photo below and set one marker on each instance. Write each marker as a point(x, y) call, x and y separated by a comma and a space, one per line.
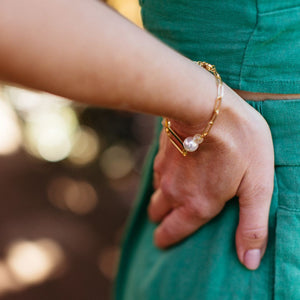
point(252, 259)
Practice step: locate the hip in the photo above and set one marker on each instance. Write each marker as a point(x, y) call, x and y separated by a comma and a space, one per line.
point(205, 265)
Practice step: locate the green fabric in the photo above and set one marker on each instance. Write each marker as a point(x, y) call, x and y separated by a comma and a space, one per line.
point(255, 44)
point(205, 266)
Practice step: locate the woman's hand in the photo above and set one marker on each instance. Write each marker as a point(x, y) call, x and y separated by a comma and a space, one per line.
point(127, 68)
point(236, 158)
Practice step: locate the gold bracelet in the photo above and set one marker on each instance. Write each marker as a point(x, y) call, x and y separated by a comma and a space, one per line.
point(191, 143)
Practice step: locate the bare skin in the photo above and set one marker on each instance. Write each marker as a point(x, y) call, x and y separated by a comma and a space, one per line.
point(191, 190)
point(85, 51)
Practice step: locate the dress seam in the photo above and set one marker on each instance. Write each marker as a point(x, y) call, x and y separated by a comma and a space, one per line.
point(273, 268)
point(281, 10)
point(286, 208)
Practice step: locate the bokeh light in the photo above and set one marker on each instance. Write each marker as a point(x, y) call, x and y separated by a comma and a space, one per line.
point(116, 162)
point(29, 102)
point(50, 122)
point(29, 263)
point(108, 261)
point(10, 132)
point(32, 262)
point(80, 219)
point(77, 196)
point(50, 134)
point(8, 283)
point(86, 146)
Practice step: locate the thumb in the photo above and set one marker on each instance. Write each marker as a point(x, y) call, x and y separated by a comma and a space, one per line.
point(255, 196)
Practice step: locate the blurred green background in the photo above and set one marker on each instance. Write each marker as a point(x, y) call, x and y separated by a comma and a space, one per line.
point(68, 177)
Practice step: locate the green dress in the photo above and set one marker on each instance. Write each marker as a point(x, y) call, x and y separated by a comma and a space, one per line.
point(205, 265)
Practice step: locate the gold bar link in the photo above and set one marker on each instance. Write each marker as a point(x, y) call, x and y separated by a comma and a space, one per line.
point(171, 133)
point(173, 136)
point(213, 119)
point(218, 103)
point(182, 151)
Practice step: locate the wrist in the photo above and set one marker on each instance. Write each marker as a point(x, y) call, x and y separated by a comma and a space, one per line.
point(191, 143)
point(233, 119)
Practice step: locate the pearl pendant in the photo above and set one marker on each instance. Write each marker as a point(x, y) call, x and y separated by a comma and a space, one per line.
point(198, 138)
point(190, 144)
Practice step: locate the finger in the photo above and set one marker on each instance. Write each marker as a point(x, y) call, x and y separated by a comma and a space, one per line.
point(252, 231)
point(159, 206)
point(156, 180)
point(176, 226)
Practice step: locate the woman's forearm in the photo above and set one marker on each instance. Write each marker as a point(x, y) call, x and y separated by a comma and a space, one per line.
point(83, 50)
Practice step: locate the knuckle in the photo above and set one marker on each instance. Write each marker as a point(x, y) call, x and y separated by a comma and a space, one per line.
point(259, 192)
point(167, 187)
point(255, 234)
point(198, 211)
point(153, 201)
point(263, 188)
point(157, 166)
point(164, 236)
point(205, 214)
point(156, 180)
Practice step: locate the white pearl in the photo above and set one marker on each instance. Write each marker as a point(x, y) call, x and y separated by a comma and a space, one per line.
point(190, 145)
point(198, 138)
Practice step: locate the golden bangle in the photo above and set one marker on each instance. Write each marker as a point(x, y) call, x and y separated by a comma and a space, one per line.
point(191, 143)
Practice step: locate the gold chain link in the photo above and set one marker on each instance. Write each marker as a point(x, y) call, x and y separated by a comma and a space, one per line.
point(190, 144)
